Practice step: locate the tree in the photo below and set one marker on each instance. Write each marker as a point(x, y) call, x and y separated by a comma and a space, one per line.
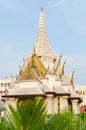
point(27, 116)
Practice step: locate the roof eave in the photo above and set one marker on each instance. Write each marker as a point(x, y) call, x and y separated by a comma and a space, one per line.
point(28, 95)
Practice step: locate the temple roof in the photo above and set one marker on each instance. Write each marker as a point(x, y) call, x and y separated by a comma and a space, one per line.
point(47, 90)
point(24, 91)
point(42, 60)
point(61, 91)
point(75, 96)
point(33, 70)
point(67, 80)
point(41, 45)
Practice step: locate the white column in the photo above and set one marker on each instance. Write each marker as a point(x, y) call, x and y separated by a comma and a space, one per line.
point(49, 103)
point(64, 103)
point(60, 104)
point(55, 105)
point(78, 105)
point(75, 106)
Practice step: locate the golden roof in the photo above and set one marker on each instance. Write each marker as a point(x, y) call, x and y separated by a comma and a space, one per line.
point(34, 69)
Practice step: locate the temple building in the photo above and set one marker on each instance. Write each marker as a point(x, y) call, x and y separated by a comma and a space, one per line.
point(42, 75)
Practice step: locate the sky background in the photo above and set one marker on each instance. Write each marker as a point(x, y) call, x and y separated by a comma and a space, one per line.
point(65, 22)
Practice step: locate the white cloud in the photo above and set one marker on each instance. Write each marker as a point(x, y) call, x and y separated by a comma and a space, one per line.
point(57, 4)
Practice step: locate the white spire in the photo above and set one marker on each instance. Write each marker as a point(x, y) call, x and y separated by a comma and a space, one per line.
point(41, 21)
point(41, 44)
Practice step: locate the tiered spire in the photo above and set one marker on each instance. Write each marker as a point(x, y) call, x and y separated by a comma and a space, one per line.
point(41, 44)
point(41, 21)
point(44, 59)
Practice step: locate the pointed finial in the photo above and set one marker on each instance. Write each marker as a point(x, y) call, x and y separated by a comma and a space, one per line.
point(34, 50)
point(64, 62)
point(23, 59)
point(61, 55)
point(73, 72)
point(11, 76)
point(54, 60)
point(20, 66)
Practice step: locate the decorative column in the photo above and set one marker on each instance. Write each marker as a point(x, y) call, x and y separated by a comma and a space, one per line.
point(55, 105)
point(49, 103)
point(59, 104)
point(75, 106)
point(78, 107)
point(64, 103)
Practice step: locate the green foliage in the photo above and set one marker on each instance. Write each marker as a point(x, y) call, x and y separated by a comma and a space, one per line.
point(82, 121)
point(28, 116)
point(4, 124)
point(62, 121)
point(31, 115)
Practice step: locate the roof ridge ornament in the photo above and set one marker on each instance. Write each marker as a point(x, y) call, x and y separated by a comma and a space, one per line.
point(73, 71)
point(34, 51)
point(64, 62)
point(60, 55)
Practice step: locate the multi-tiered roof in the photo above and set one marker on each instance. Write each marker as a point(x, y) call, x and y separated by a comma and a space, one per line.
point(41, 46)
point(42, 73)
point(42, 59)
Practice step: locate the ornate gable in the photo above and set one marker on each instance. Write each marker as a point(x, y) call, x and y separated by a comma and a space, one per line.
point(34, 69)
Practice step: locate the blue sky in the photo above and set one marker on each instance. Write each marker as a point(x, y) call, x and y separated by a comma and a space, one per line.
point(65, 22)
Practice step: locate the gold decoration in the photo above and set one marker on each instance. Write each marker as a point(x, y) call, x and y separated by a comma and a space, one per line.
point(34, 69)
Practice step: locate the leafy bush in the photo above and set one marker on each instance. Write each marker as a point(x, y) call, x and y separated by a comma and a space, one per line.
point(28, 116)
point(31, 115)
